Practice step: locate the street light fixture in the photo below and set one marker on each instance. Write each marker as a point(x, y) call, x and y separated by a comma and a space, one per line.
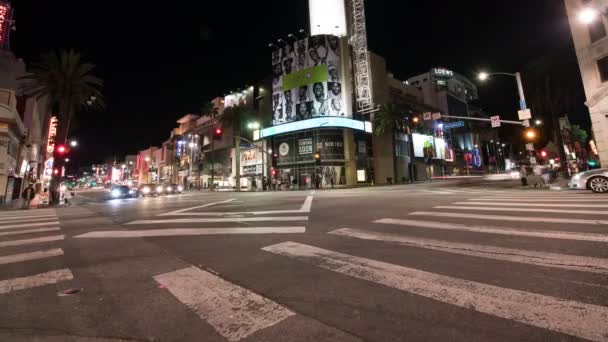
point(588, 15)
point(538, 122)
point(73, 143)
point(531, 134)
point(483, 76)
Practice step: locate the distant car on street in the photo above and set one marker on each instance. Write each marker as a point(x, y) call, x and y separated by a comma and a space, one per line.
point(594, 180)
point(123, 191)
point(173, 189)
point(152, 190)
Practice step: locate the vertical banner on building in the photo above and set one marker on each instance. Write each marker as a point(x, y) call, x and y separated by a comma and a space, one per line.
point(307, 80)
point(5, 23)
point(50, 146)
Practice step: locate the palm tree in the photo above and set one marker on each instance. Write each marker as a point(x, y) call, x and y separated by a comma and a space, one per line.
point(236, 117)
point(69, 85)
point(390, 119)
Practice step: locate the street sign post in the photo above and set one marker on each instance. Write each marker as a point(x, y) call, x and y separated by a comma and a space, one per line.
point(526, 123)
point(495, 121)
point(426, 116)
point(525, 114)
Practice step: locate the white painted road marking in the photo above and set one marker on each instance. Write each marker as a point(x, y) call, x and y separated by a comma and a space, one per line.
point(528, 199)
point(531, 210)
point(191, 232)
point(307, 204)
point(234, 312)
point(568, 262)
point(198, 207)
point(536, 204)
point(29, 219)
point(10, 259)
point(47, 278)
point(547, 234)
point(27, 213)
point(30, 231)
point(223, 219)
point(31, 241)
point(510, 218)
point(305, 208)
point(28, 225)
point(561, 315)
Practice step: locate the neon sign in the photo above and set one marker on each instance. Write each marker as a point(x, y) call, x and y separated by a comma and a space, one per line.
point(4, 23)
point(50, 142)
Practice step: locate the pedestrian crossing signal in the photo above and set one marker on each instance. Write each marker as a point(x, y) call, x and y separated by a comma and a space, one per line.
point(318, 158)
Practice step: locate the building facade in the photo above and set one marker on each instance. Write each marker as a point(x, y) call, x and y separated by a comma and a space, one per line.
point(591, 43)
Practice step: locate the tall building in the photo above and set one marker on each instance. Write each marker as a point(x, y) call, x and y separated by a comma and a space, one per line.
point(591, 43)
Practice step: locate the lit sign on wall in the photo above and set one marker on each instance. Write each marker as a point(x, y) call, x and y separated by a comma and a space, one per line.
point(326, 122)
point(327, 17)
point(443, 72)
point(5, 17)
point(50, 142)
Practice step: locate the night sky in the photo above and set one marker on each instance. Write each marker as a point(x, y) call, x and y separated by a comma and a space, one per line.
point(161, 62)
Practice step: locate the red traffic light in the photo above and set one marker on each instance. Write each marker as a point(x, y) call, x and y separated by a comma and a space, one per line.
point(55, 171)
point(218, 131)
point(61, 149)
point(544, 154)
point(274, 172)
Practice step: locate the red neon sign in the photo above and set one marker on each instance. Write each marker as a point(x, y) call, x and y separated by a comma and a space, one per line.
point(5, 12)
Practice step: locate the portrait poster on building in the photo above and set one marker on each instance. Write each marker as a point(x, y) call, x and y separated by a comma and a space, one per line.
point(306, 80)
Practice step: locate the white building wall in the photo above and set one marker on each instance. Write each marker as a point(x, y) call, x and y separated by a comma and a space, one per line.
point(588, 54)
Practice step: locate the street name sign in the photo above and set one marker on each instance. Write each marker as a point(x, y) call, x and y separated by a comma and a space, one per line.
point(426, 116)
point(525, 114)
point(436, 116)
point(495, 121)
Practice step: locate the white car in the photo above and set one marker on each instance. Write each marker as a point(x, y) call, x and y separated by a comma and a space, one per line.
point(594, 180)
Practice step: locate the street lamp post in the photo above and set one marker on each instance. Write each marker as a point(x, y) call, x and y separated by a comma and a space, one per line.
point(483, 76)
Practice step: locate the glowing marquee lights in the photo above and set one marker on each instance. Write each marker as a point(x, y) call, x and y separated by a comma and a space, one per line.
point(5, 12)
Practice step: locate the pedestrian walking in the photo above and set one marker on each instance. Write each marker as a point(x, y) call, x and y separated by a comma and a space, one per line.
point(28, 195)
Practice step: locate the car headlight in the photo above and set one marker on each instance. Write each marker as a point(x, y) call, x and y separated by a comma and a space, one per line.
point(146, 190)
point(132, 192)
point(169, 189)
point(180, 188)
point(159, 189)
point(115, 193)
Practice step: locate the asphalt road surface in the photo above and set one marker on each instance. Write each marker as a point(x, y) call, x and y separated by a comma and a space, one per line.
point(428, 262)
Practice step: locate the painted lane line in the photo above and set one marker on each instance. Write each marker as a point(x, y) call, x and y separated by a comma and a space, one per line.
point(546, 234)
point(224, 213)
point(233, 311)
point(28, 225)
point(15, 258)
point(223, 219)
point(29, 219)
point(552, 205)
point(563, 261)
point(30, 231)
point(510, 218)
point(198, 207)
point(537, 200)
point(31, 241)
point(47, 278)
point(307, 204)
point(28, 213)
point(562, 211)
point(561, 315)
point(191, 232)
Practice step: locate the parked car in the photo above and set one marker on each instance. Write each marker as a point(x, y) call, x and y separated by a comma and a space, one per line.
point(594, 180)
point(151, 190)
point(173, 189)
point(123, 191)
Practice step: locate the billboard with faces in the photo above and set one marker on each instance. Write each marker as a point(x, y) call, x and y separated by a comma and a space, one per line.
point(307, 80)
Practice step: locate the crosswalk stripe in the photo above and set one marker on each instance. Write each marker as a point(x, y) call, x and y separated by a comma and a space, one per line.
point(47, 278)
point(548, 234)
point(234, 312)
point(29, 219)
point(561, 315)
point(30, 231)
point(537, 199)
point(223, 219)
point(26, 213)
point(28, 225)
point(31, 241)
point(563, 261)
point(509, 218)
point(10, 259)
point(191, 232)
point(198, 207)
point(537, 210)
point(553, 205)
